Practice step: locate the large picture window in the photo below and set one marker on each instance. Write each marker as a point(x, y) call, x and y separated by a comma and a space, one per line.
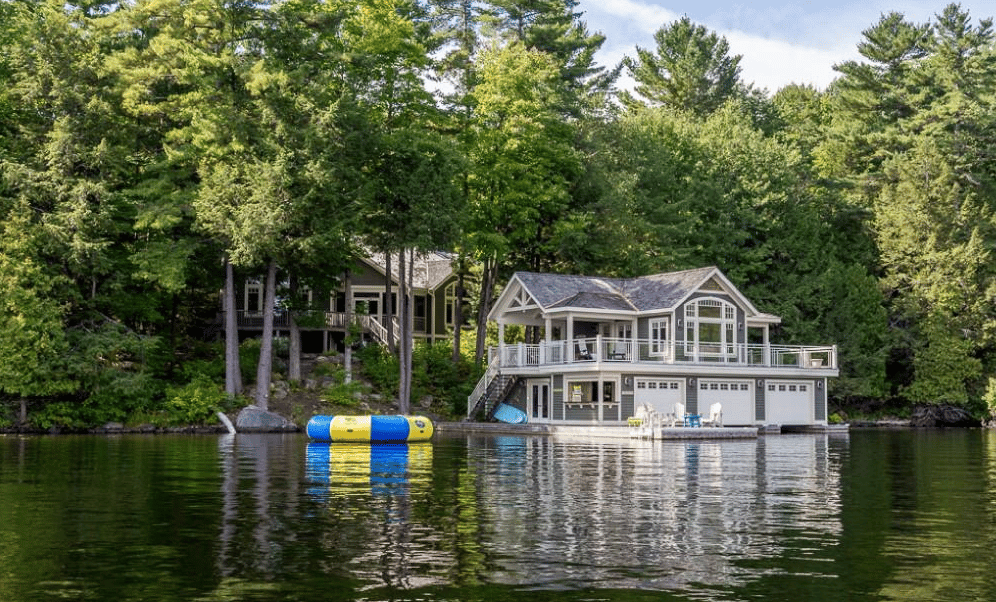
point(710, 328)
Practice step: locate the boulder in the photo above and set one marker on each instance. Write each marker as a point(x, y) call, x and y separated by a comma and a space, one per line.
point(252, 418)
point(942, 416)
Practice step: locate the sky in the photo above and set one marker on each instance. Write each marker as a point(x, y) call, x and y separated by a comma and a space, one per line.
point(782, 42)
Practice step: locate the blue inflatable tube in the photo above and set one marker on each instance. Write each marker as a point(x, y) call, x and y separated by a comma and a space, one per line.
point(370, 429)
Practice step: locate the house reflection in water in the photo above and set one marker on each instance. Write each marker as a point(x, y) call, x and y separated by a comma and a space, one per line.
point(662, 515)
point(547, 513)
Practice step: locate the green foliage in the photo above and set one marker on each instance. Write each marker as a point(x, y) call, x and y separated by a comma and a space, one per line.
point(196, 402)
point(944, 365)
point(380, 368)
point(989, 397)
point(691, 70)
point(345, 395)
point(437, 375)
point(249, 351)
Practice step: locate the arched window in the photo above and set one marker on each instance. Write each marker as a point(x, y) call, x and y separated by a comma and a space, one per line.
point(710, 328)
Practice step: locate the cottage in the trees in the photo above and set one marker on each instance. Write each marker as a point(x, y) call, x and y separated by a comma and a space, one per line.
point(602, 347)
point(323, 324)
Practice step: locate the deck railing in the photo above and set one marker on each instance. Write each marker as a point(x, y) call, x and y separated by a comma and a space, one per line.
point(616, 350)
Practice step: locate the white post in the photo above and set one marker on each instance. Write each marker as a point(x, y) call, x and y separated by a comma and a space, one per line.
point(767, 347)
point(634, 341)
point(569, 350)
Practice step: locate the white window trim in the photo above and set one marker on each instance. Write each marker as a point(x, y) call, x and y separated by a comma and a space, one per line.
point(449, 303)
point(660, 346)
point(727, 328)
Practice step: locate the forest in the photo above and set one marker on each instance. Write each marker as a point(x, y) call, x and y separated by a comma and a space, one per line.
point(151, 149)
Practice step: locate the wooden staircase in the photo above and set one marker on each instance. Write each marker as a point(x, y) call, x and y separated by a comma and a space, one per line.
point(491, 390)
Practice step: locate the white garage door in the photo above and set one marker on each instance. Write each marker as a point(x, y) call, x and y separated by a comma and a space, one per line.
point(660, 393)
point(735, 395)
point(789, 402)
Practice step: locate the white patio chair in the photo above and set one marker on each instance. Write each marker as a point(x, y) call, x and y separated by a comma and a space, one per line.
point(583, 352)
point(715, 415)
point(677, 416)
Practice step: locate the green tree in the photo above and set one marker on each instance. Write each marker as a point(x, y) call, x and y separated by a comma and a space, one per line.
point(33, 345)
point(523, 161)
point(691, 70)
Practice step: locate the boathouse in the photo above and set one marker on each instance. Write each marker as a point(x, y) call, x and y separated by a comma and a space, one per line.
point(680, 342)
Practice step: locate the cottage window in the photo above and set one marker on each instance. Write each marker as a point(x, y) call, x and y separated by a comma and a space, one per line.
point(450, 293)
point(660, 339)
point(254, 297)
point(710, 328)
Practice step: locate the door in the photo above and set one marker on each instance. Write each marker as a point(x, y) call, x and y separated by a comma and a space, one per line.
point(539, 401)
point(736, 397)
point(660, 393)
point(789, 402)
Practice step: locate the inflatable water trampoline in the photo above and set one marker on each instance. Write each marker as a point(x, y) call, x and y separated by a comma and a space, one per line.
point(370, 429)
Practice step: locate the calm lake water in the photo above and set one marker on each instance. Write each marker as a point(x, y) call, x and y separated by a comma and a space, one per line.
point(870, 515)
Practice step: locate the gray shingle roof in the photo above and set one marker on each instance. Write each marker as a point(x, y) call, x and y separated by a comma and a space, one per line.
point(645, 293)
point(430, 269)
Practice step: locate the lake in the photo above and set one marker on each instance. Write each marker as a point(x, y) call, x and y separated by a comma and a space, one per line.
point(869, 515)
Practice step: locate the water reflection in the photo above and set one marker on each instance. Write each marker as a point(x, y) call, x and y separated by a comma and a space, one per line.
point(664, 515)
point(381, 469)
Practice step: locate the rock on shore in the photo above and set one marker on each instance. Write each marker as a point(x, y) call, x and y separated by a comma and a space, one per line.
point(252, 418)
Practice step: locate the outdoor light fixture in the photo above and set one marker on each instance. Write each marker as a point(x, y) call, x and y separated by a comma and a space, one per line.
point(760, 383)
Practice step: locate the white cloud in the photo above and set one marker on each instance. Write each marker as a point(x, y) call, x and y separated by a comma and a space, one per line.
point(638, 18)
point(773, 64)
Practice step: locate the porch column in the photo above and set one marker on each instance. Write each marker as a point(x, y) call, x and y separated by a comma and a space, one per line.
point(634, 342)
point(547, 338)
point(767, 347)
point(569, 348)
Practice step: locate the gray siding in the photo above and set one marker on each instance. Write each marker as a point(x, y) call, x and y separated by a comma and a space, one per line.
point(692, 397)
point(557, 395)
point(759, 401)
point(820, 399)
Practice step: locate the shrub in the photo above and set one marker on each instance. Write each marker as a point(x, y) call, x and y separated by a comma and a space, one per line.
point(195, 402)
point(344, 395)
point(380, 368)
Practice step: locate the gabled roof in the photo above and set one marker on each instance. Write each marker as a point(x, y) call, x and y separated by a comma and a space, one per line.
point(657, 292)
point(430, 270)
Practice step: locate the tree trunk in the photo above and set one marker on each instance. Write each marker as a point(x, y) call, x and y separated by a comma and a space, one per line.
point(403, 360)
point(347, 340)
point(294, 360)
point(409, 329)
point(389, 305)
point(24, 411)
point(233, 371)
point(487, 285)
point(264, 369)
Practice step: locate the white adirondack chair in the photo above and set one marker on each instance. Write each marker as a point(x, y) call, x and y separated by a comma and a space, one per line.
point(715, 415)
point(677, 416)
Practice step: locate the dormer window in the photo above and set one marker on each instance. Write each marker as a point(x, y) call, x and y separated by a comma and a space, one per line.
point(710, 328)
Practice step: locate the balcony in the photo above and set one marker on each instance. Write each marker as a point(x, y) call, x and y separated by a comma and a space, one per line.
point(605, 351)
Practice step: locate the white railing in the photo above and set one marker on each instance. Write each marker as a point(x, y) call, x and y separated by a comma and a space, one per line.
point(616, 350)
point(482, 384)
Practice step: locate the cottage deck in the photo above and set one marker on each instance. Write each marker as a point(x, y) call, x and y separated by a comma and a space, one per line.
point(618, 352)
